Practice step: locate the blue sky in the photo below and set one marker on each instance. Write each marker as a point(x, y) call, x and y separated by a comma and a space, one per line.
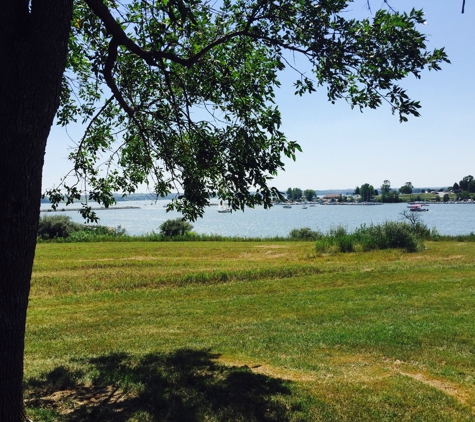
point(343, 148)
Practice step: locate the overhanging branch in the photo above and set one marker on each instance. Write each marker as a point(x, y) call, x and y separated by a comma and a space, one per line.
point(108, 67)
point(153, 57)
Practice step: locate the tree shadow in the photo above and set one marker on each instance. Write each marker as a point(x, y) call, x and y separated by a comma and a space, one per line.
point(186, 385)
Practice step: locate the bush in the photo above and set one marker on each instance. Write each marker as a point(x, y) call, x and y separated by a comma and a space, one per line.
point(389, 235)
point(422, 231)
point(418, 227)
point(337, 231)
point(62, 227)
point(346, 243)
point(337, 240)
point(176, 227)
point(326, 244)
point(57, 226)
point(94, 233)
point(305, 233)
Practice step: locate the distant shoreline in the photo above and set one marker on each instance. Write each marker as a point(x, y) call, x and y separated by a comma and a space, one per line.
point(93, 209)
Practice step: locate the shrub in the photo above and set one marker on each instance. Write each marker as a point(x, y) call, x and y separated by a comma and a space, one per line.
point(305, 233)
point(389, 235)
point(94, 233)
point(326, 244)
point(346, 243)
point(417, 225)
point(57, 226)
point(337, 240)
point(176, 227)
point(337, 231)
point(62, 227)
point(82, 236)
point(421, 230)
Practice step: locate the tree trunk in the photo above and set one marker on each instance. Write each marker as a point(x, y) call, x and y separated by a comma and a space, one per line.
point(33, 50)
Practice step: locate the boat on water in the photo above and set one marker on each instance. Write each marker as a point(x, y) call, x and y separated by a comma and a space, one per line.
point(304, 207)
point(224, 210)
point(417, 208)
point(286, 206)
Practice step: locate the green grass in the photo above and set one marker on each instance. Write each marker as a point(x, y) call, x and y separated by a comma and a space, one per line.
point(405, 197)
point(242, 331)
point(425, 196)
point(91, 237)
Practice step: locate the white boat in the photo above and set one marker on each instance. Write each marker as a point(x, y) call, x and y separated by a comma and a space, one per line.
point(224, 210)
point(304, 207)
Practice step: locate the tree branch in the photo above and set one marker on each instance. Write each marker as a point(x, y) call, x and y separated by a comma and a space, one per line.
point(92, 121)
point(108, 67)
point(151, 57)
point(116, 31)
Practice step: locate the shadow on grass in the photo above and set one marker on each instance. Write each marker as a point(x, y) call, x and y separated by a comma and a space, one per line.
point(187, 385)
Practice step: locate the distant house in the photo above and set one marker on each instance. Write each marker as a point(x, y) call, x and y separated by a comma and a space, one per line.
point(330, 196)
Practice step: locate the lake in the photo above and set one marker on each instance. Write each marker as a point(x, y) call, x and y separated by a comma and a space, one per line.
point(448, 219)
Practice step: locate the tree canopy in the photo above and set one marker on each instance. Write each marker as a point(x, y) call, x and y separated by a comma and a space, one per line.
point(180, 94)
point(309, 194)
point(366, 192)
point(407, 188)
point(385, 187)
point(467, 183)
point(294, 194)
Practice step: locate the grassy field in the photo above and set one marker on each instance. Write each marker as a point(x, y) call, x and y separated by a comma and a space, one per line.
point(425, 196)
point(264, 331)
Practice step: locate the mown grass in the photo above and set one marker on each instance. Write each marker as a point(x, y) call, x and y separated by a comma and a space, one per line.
point(264, 331)
point(92, 237)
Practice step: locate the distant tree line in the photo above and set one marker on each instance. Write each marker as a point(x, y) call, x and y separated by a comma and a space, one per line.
point(464, 189)
point(388, 194)
point(467, 184)
point(296, 194)
point(367, 192)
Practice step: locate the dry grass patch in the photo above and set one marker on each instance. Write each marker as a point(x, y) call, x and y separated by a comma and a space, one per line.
point(463, 395)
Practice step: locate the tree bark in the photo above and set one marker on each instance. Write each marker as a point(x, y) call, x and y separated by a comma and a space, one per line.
point(33, 51)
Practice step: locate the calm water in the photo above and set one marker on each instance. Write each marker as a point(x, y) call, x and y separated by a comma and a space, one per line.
point(448, 219)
